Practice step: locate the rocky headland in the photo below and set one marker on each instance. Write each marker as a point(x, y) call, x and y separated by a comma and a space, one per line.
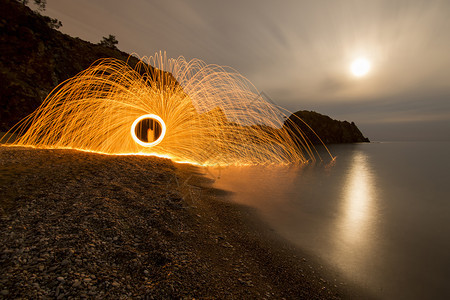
point(319, 128)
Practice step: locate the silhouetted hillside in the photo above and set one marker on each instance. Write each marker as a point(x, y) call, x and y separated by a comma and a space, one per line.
point(329, 130)
point(35, 59)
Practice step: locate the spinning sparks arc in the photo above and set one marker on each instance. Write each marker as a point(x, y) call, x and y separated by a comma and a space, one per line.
point(184, 110)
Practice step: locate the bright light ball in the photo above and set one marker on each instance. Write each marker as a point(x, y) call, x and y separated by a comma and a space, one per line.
point(151, 117)
point(360, 67)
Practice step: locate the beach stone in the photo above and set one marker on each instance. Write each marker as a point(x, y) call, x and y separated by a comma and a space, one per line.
point(4, 292)
point(93, 220)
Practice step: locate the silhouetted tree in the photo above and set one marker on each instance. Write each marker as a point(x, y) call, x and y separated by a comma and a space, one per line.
point(41, 4)
point(109, 41)
point(52, 23)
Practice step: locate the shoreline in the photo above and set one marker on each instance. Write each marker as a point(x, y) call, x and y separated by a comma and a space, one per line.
point(78, 224)
point(292, 263)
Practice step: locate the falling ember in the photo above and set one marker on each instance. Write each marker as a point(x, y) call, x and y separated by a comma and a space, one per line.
point(187, 111)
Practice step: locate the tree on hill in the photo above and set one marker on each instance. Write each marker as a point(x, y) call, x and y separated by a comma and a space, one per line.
point(52, 23)
point(109, 42)
point(41, 5)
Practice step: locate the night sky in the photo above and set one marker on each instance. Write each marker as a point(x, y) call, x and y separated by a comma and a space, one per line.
point(299, 52)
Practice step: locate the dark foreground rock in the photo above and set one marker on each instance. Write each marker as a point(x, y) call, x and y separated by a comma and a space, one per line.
point(330, 131)
point(76, 224)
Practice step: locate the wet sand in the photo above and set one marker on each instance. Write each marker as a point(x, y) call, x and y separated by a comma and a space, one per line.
point(77, 224)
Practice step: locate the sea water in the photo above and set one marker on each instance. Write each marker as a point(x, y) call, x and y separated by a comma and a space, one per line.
point(380, 213)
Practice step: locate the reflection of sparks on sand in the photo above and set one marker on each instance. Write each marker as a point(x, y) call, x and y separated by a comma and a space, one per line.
point(209, 115)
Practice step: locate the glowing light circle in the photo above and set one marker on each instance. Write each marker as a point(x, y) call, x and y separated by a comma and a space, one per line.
point(149, 116)
point(360, 67)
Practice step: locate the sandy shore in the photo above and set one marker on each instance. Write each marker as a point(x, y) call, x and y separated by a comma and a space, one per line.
point(76, 224)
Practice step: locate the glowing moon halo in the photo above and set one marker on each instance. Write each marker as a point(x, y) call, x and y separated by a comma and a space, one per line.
point(149, 144)
point(360, 67)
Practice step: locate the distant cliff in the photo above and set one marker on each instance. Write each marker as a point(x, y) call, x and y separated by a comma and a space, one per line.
point(329, 130)
point(34, 59)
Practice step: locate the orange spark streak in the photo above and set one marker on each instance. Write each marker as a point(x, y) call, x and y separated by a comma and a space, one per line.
point(210, 115)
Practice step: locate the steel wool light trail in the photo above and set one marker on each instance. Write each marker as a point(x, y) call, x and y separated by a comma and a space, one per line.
point(188, 111)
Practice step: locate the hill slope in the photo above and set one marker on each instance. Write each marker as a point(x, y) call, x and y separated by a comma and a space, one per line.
point(35, 59)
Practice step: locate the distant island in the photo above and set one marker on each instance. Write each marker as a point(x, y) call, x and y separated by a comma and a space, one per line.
point(36, 58)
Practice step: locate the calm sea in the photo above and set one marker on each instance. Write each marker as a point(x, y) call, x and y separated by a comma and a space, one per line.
point(380, 214)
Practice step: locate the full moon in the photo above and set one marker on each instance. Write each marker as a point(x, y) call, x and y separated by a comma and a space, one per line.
point(360, 67)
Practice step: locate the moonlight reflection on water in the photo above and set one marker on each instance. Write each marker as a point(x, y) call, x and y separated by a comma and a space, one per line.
point(379, 214)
